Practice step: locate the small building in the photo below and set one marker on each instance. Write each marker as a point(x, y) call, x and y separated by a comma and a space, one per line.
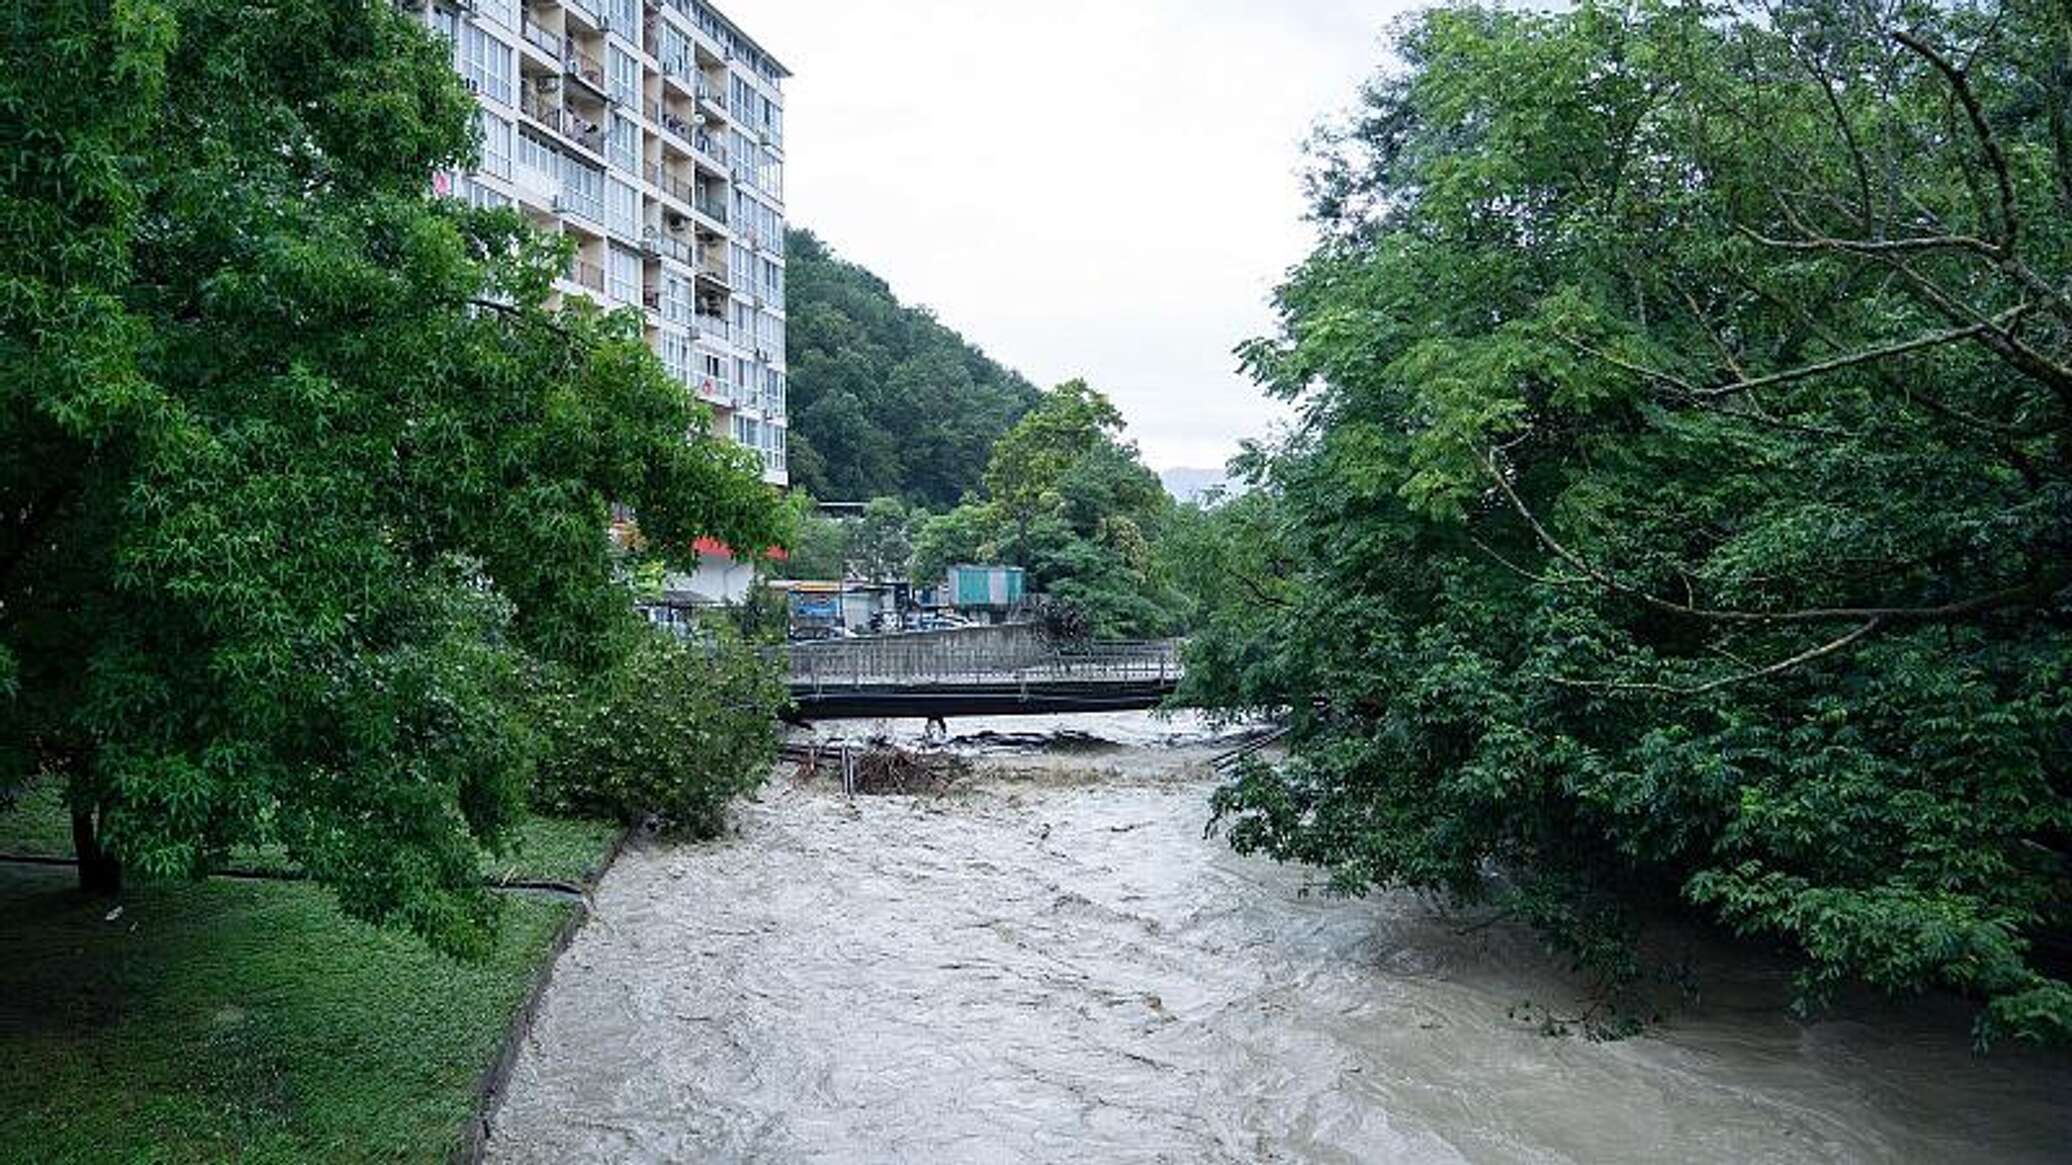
point(984, 593)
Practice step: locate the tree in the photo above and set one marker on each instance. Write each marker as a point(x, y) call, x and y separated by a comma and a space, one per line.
point(1679, 515)
point(299, 469)
point(880, 543)
point(1069, 501)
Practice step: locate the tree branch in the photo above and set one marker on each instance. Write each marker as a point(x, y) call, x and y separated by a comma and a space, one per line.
point(1832, 647)
point(2037, 590)
point(1960, 84)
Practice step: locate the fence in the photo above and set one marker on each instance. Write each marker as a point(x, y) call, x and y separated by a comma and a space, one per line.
point(981, 655)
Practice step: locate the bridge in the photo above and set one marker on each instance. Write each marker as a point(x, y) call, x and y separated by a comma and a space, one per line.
point(986, 671)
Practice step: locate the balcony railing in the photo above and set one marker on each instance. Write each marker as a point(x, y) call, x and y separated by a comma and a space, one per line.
point(583, 67)
point(589, 275)
point(710, 146)
point(712, 208)
point(566, 122)
point(539, 38)
point(711, 327)
point(669, 246)
point(671, 185)
point(710, 93)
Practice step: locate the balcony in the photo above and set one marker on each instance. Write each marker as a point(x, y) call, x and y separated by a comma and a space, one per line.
point(540, 38)
point(710, 146)
point(712, 208)
point(566, 122)
point(711, 96)
point(581, 66)
point(585, 11)
point(588, 275)
point(712, 265)
point(669, 246)
point(711, 327)
point(671, 185)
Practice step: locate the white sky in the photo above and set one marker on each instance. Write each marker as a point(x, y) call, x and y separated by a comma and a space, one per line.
point(1105, 190)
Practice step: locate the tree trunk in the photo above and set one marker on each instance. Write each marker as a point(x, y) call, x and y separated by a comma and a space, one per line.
point(99, 872)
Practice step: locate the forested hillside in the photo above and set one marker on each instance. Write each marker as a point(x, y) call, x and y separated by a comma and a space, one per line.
point(885, 400)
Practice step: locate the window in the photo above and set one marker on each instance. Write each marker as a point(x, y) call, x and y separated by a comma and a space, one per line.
point(479, 196)
point(622, 209)
point(743, 153)
point(625, 74)
point(673, 49)
point(582, 186)
point(446, 22)
point(676, 299)
point(677, 357)
point(622, 143)
point(504, 12)
point(622, 275)
point(772, 281)
point(740, 265)
point(496, 143)
point(486, 63)
point(624, 16)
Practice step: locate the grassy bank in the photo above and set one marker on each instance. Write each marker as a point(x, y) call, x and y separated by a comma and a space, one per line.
point(248, 1021)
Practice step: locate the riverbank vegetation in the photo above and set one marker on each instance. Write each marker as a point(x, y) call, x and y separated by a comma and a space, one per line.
point(307, 475)
point(1682, 504)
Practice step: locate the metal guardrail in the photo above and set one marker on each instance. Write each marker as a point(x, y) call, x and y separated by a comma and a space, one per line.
point(923, 661)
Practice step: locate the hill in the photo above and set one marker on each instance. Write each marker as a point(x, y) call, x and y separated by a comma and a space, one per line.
point(885, 399)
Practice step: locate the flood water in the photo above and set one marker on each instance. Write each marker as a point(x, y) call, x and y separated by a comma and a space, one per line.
point(1053, 964)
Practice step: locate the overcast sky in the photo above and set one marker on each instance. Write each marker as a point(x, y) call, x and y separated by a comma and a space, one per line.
point(1082, 188)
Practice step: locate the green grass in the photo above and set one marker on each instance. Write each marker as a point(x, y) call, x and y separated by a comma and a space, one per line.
point(549, 849)
point(240, 1021)
point(37, 823)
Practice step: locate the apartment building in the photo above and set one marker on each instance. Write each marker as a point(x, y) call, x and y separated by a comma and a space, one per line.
point(652, 134)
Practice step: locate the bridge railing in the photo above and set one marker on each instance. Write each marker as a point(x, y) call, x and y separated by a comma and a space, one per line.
point(912, 661)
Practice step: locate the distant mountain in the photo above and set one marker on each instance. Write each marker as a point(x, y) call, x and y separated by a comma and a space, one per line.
point(1187, 485)
point(885, 399)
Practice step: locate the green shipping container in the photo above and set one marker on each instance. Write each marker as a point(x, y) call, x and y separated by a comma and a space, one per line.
point(986, 586)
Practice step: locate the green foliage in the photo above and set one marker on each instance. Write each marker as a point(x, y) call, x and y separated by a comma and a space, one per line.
point(885, 401)
point(1069, 501)
point(673, 732)
point(237, 1021)
point(1684, 498)
point(300, 467)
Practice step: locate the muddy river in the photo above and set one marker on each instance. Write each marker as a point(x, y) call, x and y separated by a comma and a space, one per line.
point(1052, 964)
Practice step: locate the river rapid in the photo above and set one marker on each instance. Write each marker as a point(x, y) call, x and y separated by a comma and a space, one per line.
point(1052, 963)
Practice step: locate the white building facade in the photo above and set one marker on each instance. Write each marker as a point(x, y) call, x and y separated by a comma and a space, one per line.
point(652, 134)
